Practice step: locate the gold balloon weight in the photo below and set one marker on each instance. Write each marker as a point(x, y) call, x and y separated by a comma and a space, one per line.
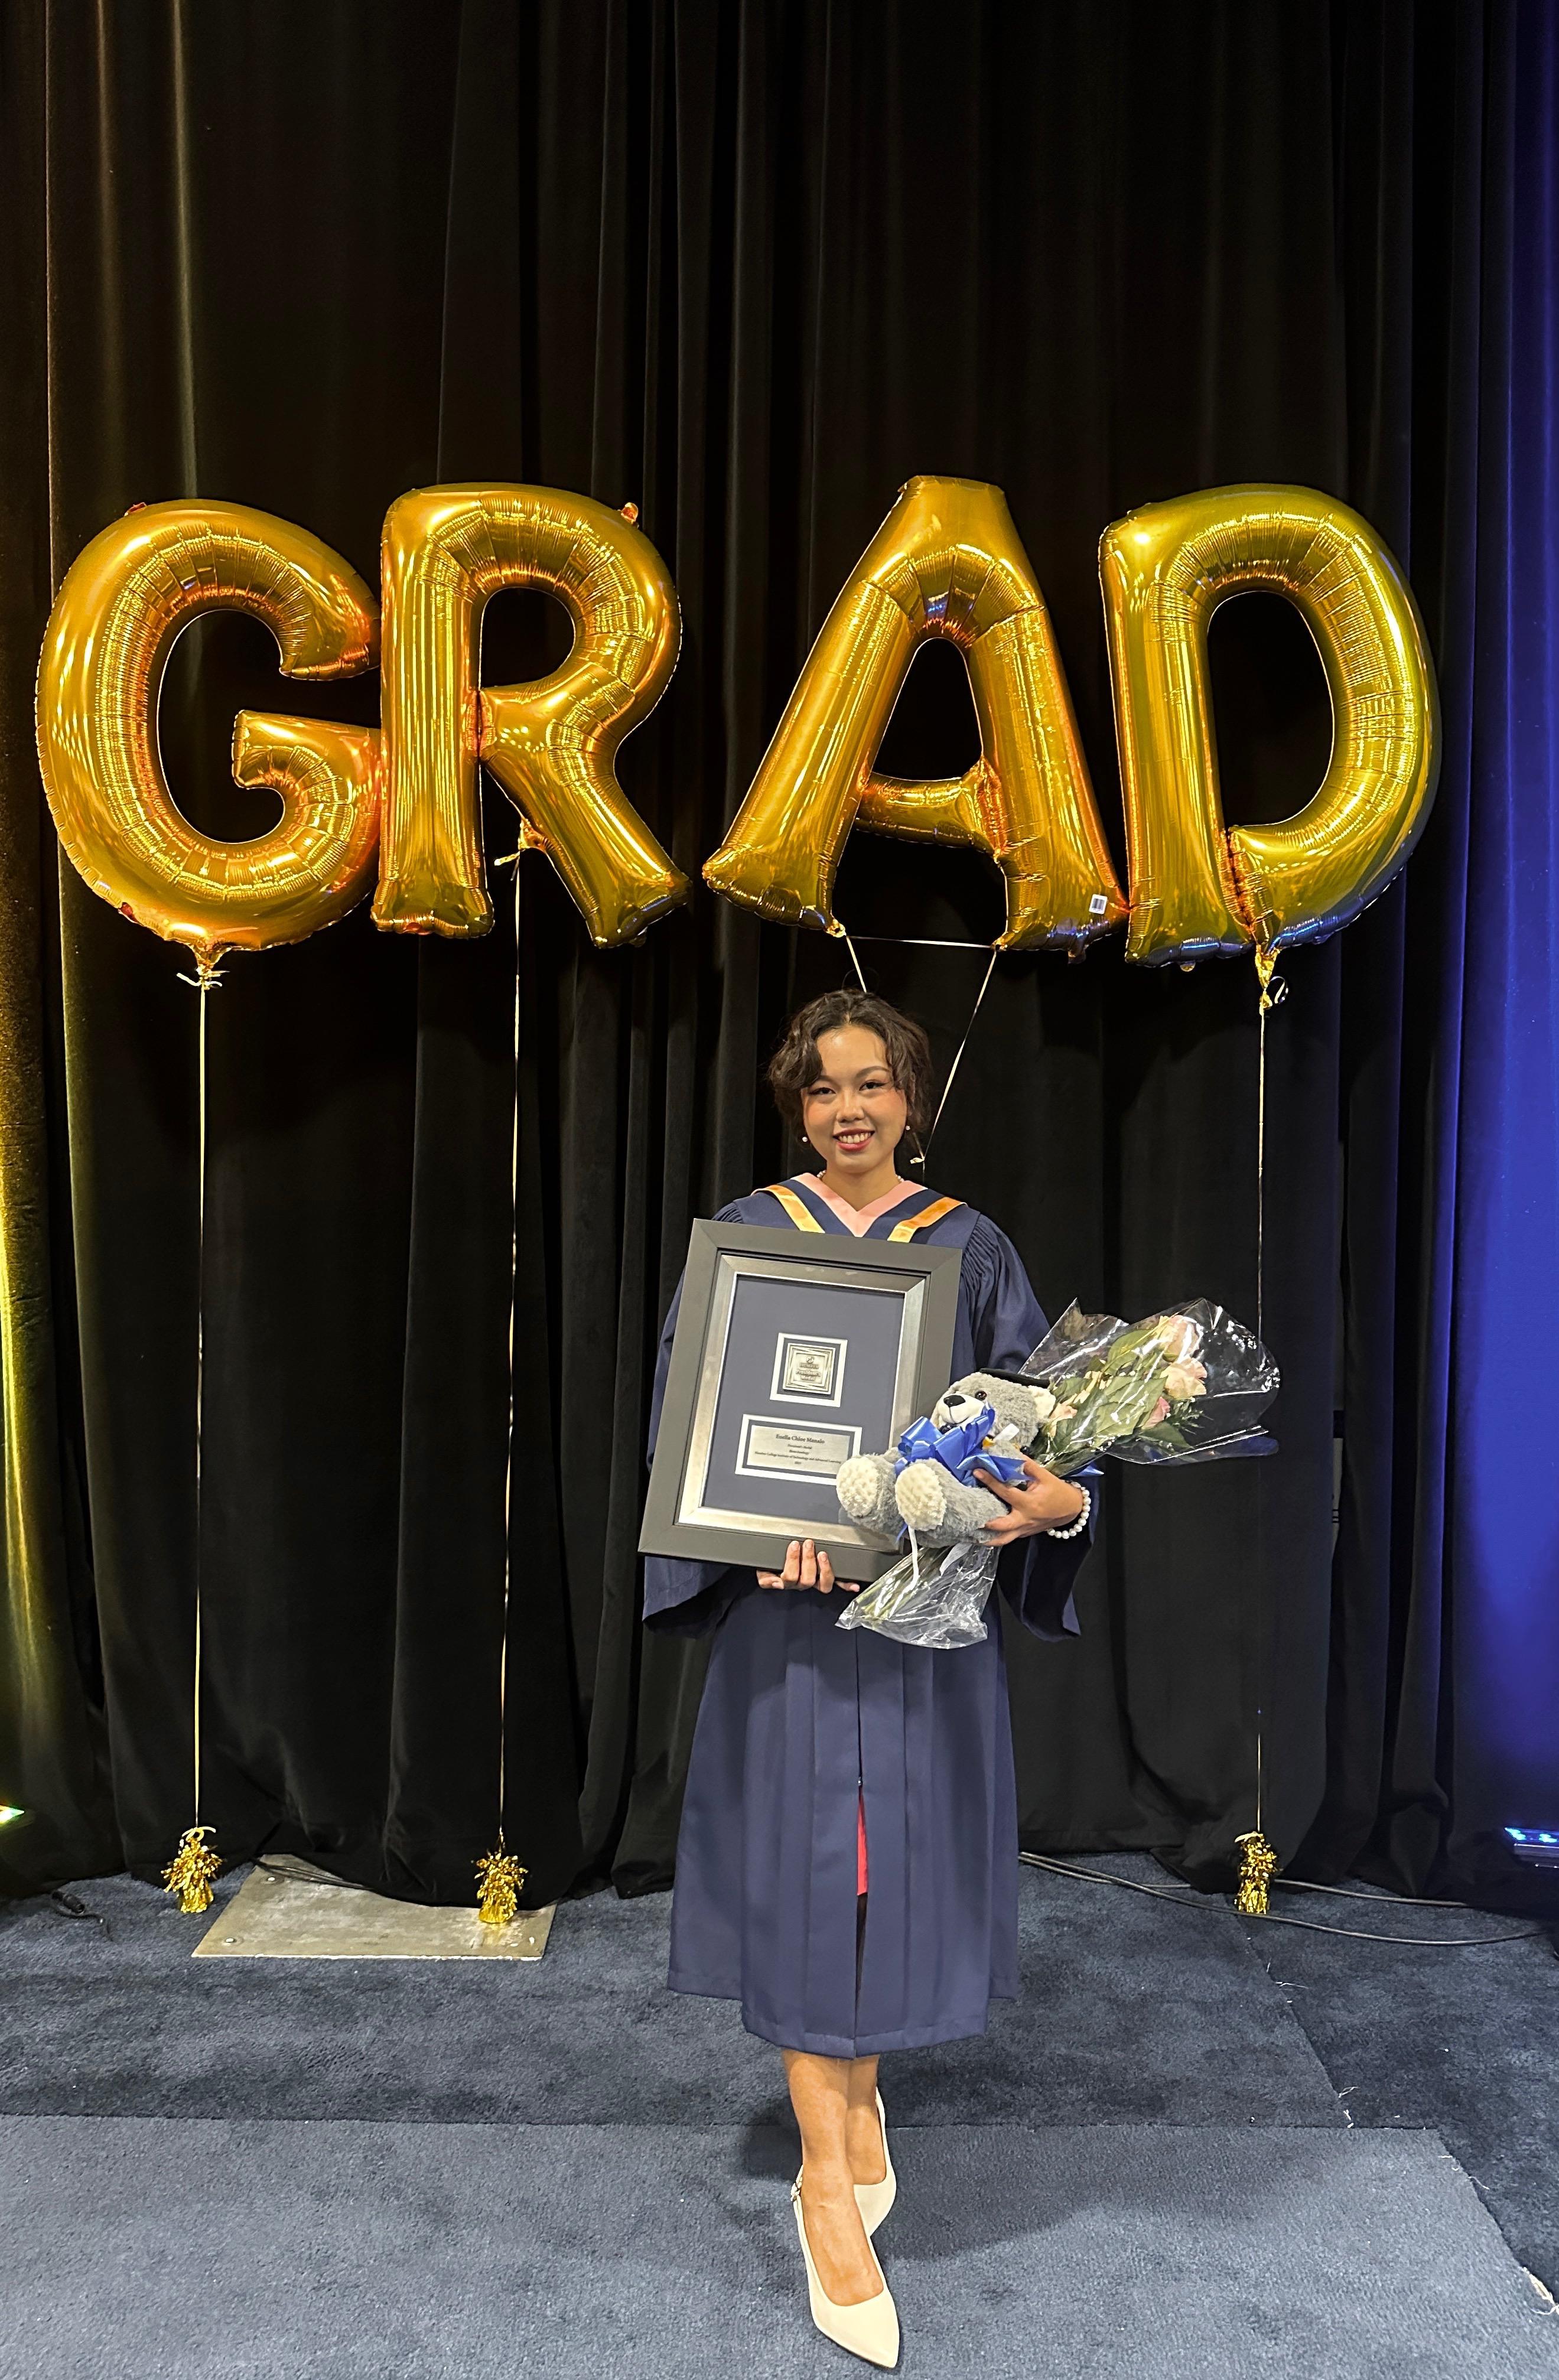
point(499, 1882)
point(193, 1870)
point(1257, 1865)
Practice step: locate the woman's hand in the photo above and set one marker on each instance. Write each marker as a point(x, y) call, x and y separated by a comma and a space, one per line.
point(806, 1565)
point(1043, 1503)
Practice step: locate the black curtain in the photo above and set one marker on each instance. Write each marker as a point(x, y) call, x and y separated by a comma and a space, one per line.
point(748, 266)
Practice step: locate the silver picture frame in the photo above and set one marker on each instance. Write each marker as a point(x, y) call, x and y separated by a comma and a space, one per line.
point(791, 1351)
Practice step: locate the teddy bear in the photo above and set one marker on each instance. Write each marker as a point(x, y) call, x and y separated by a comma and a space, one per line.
point(981, 1422)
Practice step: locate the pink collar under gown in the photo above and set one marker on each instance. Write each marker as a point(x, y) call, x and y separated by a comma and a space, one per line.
point(804, 1724)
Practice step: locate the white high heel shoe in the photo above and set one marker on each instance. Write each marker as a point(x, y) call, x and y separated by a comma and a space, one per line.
point(875, 2198)
point(869, 2329)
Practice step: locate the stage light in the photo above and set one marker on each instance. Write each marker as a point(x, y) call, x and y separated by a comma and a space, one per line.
point(8, 1812)
point(1538, 1845)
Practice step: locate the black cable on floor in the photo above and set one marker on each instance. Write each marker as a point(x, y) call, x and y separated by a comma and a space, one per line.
point(1306, 1924)
point(1346, 1893)
point(69, 1904)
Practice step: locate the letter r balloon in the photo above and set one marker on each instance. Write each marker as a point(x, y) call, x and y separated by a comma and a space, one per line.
point(552, 744)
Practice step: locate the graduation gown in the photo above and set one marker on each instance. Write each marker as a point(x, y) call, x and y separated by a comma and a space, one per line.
point(804, 1724)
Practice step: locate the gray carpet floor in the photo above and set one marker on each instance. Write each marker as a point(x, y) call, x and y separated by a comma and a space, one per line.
point(412, 2252)
point(1195, 2146)
point(1466, 2041)
point(1130, 2014)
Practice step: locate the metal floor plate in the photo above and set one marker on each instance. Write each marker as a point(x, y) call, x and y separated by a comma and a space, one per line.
point(290, 1909)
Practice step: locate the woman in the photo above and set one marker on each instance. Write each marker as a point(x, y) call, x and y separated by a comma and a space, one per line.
point(847, 1862)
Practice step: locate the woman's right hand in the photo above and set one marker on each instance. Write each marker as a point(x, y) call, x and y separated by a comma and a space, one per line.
point(806, 1565)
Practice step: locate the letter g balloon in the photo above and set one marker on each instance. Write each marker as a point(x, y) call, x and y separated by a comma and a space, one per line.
point(124, 602)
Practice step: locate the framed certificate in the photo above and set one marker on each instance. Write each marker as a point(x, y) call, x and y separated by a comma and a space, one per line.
point(793, 1352)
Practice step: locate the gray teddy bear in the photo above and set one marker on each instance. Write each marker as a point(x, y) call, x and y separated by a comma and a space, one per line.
point(926, 1495)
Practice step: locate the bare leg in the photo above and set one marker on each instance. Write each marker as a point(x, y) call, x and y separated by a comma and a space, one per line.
point(864, 2133)
point(820, 2093)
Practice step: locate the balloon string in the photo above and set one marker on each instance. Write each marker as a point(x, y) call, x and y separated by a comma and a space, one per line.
point(918, 942)
point(909, 941)
point(508, 1446)
point(1274, 989)
point(1260, 1165)
point(206, 978)
point(957, 1061)
point(199, 1370)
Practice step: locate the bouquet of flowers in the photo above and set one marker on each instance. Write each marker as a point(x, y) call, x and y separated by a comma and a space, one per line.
point(1189, 1385)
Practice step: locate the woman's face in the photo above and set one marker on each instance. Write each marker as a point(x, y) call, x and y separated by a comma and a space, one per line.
point(853, 1111)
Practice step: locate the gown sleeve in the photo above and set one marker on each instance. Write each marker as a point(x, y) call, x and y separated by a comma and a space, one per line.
point(1036, 1574)
point(683, 1597)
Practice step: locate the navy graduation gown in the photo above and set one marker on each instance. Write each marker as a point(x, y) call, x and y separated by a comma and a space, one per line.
point(799, 1716)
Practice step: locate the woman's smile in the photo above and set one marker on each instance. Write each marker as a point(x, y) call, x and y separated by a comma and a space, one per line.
point(854, 1112)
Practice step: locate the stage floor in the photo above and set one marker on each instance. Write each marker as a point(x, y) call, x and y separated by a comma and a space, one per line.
point(1164, 2163)
point(151, 2245)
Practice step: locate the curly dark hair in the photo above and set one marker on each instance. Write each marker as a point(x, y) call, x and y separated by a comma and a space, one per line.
point(795, 1063)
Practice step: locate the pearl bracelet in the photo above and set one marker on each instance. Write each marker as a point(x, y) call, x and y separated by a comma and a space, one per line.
point(1074, 1528)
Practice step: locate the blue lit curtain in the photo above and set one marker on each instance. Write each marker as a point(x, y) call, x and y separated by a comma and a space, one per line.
point(1497, 1255)
point(1444, 1699)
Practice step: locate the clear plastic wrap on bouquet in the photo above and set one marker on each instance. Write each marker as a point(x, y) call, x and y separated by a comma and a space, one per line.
point(935, 1597)
point(1187, 1385)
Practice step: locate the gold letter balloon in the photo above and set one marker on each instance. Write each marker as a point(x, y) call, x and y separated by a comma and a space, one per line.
point(1198, 887)
point(552, 744)
point(947, 561)
point(123, 603)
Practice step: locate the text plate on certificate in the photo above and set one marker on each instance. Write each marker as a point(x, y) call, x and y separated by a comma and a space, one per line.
point(791, 1449)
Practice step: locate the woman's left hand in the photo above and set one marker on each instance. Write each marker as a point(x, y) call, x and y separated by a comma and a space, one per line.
point(1043, 1503)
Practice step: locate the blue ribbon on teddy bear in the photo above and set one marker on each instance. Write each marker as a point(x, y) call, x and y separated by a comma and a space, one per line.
point(961, 1449)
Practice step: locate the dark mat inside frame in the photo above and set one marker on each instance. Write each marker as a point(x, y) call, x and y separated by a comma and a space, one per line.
point(401, 2252)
